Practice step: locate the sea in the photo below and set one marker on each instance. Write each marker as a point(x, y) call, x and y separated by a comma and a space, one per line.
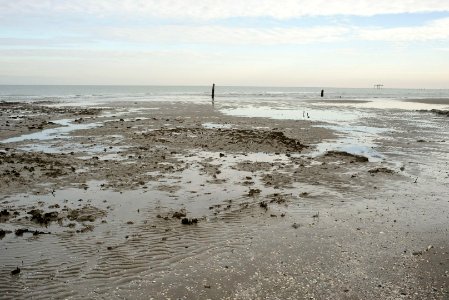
point(104, 93)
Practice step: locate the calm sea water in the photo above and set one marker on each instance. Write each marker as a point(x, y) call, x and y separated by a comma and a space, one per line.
point(93, 93)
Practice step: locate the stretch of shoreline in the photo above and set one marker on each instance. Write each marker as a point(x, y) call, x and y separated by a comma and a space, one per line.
point(178, 200)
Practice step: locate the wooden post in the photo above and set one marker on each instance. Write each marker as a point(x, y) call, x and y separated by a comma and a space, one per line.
point(322, 93)
point(213, 91)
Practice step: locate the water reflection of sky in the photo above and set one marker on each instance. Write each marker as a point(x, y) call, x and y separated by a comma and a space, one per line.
point(344, 119)
point(67, 126)
point(383, 104)
point(310, 113)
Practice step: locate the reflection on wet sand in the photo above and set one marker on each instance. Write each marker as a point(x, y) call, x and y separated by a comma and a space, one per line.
point(171, 200)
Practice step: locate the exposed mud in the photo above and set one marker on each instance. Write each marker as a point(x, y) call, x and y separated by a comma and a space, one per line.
point(176, 200)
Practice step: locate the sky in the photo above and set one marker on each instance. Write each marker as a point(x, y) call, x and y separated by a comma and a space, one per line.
point(324, 43)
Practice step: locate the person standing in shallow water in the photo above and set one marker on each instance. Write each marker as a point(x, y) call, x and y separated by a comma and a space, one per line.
point(213, 92)
point(322, 93)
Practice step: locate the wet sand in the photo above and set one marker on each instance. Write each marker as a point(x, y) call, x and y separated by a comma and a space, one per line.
point(177, 200)
point(444, 101)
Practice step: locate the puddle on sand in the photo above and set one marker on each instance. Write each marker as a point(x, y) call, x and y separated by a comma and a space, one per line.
point(65, 147)
point(53, 133)
point(216, 126)
point(354, 139)
point(293, 113)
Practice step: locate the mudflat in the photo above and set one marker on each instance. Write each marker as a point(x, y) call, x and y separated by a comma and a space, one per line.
point(179, 200)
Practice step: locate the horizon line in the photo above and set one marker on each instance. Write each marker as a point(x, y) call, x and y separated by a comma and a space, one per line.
point(225, 85)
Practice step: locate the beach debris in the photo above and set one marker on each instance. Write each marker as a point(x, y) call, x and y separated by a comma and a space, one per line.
point(187, 221)
point(421, 252)
point(263, 205)
point(86, 228)
point(159, 216)
point(16, 271)
point(3, 233)
point(179, 214)
point(381, 170)
point(354, 157)
point(86, 213)
point(278, 198)
point(42, 218)
point(37, 232)
point(253, 192)
point(296, 225)
point(4, 215)
point(21, 231)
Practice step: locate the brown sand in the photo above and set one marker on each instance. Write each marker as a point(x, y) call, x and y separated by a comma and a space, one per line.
point(266, 219)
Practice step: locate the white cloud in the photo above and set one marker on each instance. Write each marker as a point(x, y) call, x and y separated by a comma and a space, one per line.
point(436, 30)
point(226, 35)
point(220, 9)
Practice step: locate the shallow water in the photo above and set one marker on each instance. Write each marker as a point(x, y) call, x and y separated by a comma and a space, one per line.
point(68, 126)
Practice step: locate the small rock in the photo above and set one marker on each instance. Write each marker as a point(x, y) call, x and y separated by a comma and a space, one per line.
point(179, 214)
point(263, 205)
point(20, 232)
point(187, 221)
point(15, 271)
point(253, 192)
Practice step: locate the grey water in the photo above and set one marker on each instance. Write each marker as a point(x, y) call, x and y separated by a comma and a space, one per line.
point(341, 109)
point(97, 93)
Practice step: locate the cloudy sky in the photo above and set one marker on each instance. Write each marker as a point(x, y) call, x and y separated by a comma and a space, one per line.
point(340, 43)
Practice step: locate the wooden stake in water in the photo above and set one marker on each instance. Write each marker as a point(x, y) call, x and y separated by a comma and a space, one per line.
point(213, 91)
point(322, 93)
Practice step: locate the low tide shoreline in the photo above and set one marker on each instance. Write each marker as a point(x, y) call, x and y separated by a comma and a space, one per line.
point(177, 200)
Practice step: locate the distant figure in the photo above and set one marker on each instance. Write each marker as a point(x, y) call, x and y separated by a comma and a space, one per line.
point(322, 93)
point(308, 117)
point(213, 91)
point(303, 113)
